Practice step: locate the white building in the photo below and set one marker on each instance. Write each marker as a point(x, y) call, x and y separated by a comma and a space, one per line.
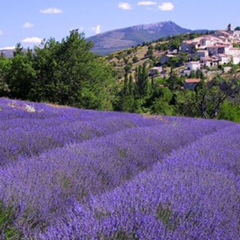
point(235, 52)
point(193, 65)
point(236, 59)
point(224, 59)
point(202, 53)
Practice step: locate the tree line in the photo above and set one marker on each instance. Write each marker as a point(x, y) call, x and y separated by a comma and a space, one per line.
point(65, 72)
point(215, 99)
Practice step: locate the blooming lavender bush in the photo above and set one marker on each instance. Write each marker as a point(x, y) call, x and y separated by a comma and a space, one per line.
point(68, 173)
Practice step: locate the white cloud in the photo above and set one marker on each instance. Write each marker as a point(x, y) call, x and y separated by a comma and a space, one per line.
point(166, 6)
point(32, 40)
point(97, 29)
point(8, 48)
point(51, 11)
point(147, 3)
point(125, 6)
point(28, 25)
point(1, 32)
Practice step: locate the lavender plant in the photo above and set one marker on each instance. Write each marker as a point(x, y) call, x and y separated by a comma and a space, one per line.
point(75, 174)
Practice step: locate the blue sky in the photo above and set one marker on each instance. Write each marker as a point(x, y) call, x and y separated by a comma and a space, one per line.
point(28, 21)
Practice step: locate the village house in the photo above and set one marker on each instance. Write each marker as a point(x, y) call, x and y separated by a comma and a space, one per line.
point(191, 83)
point(225, 36)
point(155, 71)
point(234, 52)
point(209, 62)
point(193, 65)
point(223, 58)
point(189, 46)
point(202, 53)
point(213, 50)
point(219, 49)
point(200, 43)
point(190, 67)
point(236, 60)
point(165, 58)
point(236, 34)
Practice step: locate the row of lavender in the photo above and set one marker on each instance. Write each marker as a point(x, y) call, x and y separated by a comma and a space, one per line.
point(28, 129)
point(194, 194)
point(68, 157)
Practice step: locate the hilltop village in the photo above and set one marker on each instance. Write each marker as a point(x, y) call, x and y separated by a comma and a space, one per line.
point(209, 51)
point(212, 53)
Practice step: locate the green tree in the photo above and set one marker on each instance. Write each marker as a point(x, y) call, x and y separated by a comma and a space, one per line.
point(141, 80)
point(4, 71)
point(21, 76)
point(161, 105)
point(229, 111)
point(211, 95)
point(207, 99)
point(127, 95)
point(69, 73)
point(174, 82)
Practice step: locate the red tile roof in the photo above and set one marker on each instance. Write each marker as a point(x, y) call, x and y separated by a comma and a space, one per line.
point(192, 80)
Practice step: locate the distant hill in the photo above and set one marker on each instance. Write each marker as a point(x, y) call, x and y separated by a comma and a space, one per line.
point(8, 53)
point(124, 38)
point(121, 39)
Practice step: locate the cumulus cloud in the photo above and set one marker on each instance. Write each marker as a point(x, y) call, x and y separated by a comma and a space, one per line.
point(97, 29)
point(32, 40)
point(166, 6)
point(125, 6)
point(51, 11)
point(146, 3)
point(8, 48)
point(28, 25)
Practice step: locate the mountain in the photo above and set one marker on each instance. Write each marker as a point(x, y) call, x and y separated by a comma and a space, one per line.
point(8, 53)
point(124, 38)
point(121, 39)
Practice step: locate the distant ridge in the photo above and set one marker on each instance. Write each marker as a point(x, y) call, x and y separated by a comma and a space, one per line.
point(124, 38)
point(8, 53)
point(121, 39)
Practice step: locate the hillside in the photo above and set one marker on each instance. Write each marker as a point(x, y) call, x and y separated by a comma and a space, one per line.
point(68, 173)
point(7, 53)
point(120, 39)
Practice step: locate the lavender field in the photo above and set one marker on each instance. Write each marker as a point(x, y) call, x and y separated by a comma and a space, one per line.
point(67, 173)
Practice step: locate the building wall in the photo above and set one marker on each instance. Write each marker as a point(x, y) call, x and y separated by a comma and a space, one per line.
point(236, 60)
point(193, 66)
point(236, 34)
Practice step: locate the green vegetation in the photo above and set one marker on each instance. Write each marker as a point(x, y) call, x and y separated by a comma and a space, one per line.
point(68, 73)
point(65, 72)
point(7, 225)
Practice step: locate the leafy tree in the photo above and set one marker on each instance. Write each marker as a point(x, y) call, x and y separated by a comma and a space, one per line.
point(127, 95)
point(211, 95)
point(21, 76)
point(186, 104)
point(174, 82)
point(207, 99)
point(4, 70)
point(141, 81)
point(229, 111)
point(69, 73)
point(162, 105)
